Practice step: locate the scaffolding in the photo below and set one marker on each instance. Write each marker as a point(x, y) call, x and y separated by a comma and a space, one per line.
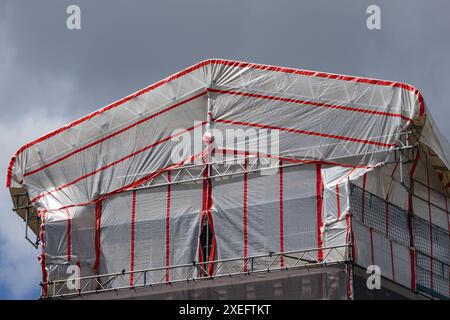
point(225, 268)
point(432, 281)
point(105, 194)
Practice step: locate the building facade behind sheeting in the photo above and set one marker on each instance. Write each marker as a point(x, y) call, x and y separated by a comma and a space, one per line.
point(232, 168)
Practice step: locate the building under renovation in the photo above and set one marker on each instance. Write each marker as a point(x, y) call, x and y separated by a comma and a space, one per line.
point(246, 181)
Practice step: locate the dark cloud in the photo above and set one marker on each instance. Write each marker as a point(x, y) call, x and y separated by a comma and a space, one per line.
point(123, 46)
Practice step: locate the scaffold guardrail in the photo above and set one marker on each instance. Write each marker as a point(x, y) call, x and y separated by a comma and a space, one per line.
point(199, 271)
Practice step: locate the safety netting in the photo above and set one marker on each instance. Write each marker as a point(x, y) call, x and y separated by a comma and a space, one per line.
point(401, 224)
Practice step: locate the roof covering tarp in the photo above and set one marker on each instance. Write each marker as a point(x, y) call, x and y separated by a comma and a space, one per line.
point(86, 176)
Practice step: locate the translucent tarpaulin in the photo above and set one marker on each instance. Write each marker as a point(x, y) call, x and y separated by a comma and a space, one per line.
point(91, 180)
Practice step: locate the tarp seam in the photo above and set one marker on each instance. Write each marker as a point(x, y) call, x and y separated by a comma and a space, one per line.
point(69, 236)
point(306, 132)
point(281, 213)
point(311, 103)
point(319, 207)
point(168, 205)
point(133, 235)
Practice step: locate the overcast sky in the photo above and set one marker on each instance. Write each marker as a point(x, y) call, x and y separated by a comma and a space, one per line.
point(50, 75)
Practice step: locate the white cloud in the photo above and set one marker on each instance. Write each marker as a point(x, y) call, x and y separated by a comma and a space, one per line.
point(21, 272)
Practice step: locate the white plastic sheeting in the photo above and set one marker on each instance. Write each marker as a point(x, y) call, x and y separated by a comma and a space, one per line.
point(328, 116)
point(158, 227)
point(373, 248)
point(256, 214)
point(332, 129)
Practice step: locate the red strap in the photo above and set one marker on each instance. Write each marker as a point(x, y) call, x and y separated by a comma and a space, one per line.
point(281, 214)
point(42, 214)
point(338, 201)
point(414, 165)
point(311, 103)
point(202, 221)
point(245, 214)
point(392, 260)
point(212, 254)
point(448, 224)
point(363, 198)
point(412, 260)
point(168, 226)
point(349, 234)
point(319, 204)
point(203, 213)
point(69, 236)
point(307, 132)
point(98, 217)
point(133, 234)
point(412, 268)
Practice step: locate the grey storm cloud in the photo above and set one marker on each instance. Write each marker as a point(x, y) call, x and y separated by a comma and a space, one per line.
point(50, 75)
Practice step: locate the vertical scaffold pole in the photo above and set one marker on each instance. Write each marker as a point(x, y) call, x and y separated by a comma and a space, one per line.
point(350, 251)
point(207, 139)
